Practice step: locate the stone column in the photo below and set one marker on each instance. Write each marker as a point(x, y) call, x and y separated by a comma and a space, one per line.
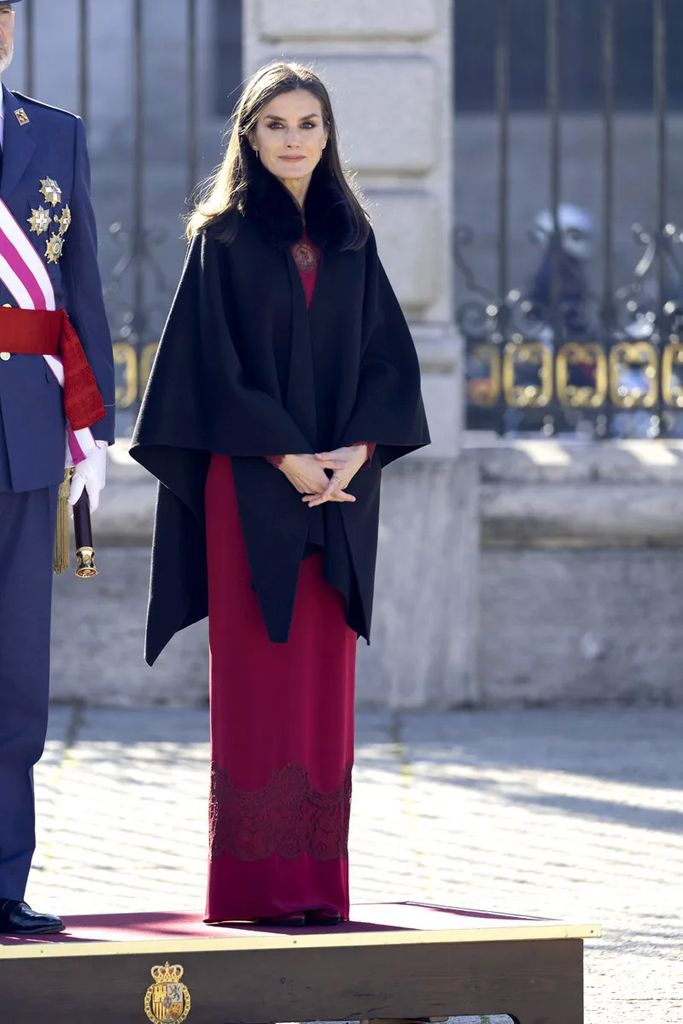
point(388, 68)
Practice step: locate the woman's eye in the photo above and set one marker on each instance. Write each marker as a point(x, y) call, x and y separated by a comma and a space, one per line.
point(305, 124)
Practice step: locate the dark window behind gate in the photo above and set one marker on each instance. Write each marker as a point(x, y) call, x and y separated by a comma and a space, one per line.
point(568, 206)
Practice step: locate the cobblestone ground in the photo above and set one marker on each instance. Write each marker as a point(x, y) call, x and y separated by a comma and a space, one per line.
point(563, 813)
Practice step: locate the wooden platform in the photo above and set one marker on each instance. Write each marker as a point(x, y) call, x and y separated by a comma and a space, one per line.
point(392, 960)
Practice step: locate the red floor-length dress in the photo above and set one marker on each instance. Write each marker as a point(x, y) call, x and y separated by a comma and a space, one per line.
point(281, 725)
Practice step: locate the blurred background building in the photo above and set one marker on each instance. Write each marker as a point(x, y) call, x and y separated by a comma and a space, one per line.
point(520, 161)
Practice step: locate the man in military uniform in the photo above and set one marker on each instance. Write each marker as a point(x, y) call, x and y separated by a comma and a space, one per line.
point(56, 397)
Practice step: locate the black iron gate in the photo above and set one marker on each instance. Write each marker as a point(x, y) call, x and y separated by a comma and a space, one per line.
point(141, 244)
point(562, 346)
point(570, 347)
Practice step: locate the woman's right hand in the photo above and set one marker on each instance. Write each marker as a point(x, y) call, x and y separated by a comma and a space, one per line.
point(307, 476)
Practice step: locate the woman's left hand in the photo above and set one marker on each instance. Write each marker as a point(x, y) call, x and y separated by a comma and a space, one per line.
point(344, 463)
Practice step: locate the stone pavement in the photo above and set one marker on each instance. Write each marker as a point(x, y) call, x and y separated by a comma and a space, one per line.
point(563, 812)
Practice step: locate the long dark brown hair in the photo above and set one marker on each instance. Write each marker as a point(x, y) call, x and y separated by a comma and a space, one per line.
point(226, 190)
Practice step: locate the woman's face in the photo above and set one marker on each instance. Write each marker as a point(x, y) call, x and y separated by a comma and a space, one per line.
point(290, 135)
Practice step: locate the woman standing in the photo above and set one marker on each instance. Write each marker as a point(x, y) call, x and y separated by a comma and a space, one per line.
point(286, 378)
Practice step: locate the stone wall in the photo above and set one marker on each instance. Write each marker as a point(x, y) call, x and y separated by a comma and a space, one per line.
point(580, 572)
point(521, 573)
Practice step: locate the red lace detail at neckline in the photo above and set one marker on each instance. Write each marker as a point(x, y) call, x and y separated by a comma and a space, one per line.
point(305, 256)
point(288, 817)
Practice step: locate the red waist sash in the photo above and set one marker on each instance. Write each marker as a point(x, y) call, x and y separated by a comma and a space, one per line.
point(44, 332)
point(30, 332)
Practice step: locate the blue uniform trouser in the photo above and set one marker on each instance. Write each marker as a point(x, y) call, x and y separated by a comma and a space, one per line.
point(27, 523)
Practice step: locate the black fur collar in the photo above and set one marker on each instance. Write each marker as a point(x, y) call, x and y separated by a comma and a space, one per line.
point(327, 215)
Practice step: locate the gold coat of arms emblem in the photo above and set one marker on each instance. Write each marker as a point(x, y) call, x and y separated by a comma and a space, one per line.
point(168, 1000)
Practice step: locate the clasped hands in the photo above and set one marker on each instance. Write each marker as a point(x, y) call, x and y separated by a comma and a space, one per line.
point(306, 473)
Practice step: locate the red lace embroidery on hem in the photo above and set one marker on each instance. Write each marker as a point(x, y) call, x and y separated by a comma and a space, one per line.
point(288, 817)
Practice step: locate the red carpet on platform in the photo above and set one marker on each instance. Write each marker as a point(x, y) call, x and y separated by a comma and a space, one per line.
point(162, 927)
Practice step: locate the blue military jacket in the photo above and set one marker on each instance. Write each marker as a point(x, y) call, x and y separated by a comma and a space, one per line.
point(42, 142)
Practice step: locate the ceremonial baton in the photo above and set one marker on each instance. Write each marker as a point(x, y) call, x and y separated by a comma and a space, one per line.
point(85, 551)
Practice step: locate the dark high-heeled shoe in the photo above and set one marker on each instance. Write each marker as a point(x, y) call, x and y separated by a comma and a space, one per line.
point(296, 919)
point(323, 917)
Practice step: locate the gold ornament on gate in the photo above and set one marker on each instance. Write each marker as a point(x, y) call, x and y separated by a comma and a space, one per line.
point(168, 1000)
point(623, 358)
point(591, 357)
point(531, 356)
point(672, 372)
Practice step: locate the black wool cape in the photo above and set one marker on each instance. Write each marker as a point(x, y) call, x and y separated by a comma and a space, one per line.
point(245, 369)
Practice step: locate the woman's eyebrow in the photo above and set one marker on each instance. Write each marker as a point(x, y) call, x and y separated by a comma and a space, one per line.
point(304, 117)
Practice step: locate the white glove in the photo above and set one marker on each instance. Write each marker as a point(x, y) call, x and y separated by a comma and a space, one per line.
point(90, 474)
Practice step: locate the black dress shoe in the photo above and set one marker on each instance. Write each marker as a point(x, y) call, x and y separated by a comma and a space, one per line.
point(323, 917)
point(293, 920)
point(17, 918)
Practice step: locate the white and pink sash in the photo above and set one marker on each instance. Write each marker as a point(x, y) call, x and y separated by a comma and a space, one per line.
point(25, 276)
